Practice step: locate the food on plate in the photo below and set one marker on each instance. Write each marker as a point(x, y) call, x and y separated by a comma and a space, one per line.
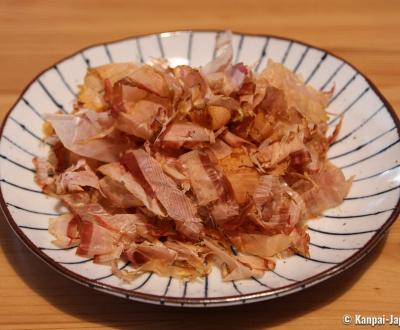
point(179, 169)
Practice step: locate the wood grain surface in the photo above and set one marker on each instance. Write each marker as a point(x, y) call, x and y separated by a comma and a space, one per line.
point(35, 34)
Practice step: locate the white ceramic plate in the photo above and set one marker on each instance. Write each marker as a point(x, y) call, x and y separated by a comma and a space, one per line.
point(368, 147)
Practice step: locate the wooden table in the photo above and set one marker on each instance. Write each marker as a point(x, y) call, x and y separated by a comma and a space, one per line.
point(34, 34)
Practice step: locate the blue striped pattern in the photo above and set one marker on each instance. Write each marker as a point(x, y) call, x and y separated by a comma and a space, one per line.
point(368, 147)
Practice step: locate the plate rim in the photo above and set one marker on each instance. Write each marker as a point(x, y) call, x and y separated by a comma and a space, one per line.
point(201, 301)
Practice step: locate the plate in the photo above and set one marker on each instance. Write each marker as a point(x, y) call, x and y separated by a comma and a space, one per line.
point(367, 147)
